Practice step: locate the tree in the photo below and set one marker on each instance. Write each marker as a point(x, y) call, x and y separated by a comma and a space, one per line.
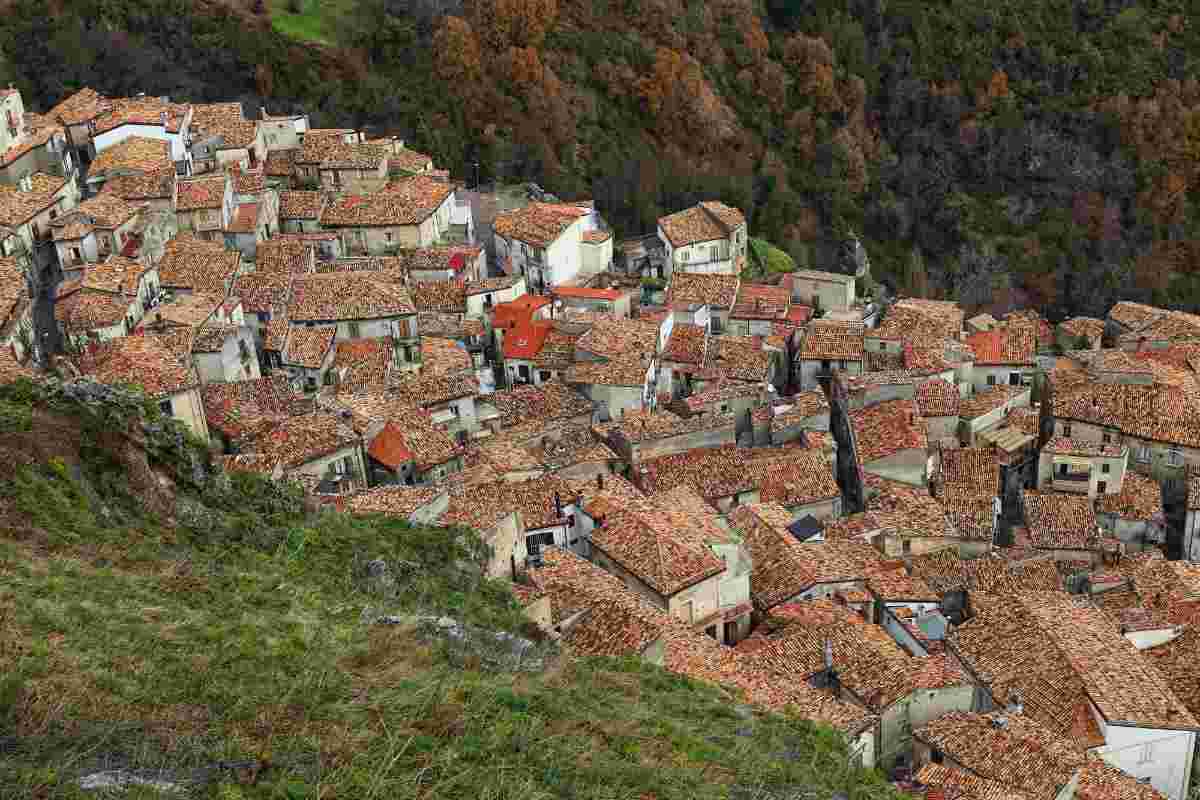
point(461, 61)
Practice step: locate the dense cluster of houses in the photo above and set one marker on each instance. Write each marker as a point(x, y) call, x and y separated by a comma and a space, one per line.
point(962, 542)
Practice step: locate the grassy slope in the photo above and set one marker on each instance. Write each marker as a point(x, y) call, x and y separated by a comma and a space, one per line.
point(241, 638)
point(314, 24)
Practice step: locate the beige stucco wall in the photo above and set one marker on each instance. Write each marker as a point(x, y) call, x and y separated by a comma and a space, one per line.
point(187, 407)
point(833, 294)
point(1156, 461)
point(919, 708)
point(318, 467)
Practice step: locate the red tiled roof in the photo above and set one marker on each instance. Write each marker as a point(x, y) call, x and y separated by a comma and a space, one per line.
point(586, 292)
point(389, 447)
point(525, 341)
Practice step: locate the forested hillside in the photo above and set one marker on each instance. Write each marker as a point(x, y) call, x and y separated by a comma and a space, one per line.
point(1045, 152)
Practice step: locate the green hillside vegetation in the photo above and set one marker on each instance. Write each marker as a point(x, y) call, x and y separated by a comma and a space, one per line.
point(217, 621)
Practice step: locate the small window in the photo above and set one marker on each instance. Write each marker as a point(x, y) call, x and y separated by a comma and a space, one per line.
point(683, 255)
point(355, 331)
point(1143, 453)
point(1174, 458)
point(1067, 429)
point(907, 546)
point(1106, 437)
point(165, 407)
point(544, 375)
point(991, 380)
point(1104, 468)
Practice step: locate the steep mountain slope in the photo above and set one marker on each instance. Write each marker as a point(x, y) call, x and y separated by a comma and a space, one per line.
point(1044, 152)
point(165, 622)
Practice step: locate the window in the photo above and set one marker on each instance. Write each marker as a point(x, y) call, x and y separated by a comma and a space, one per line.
point(1143, 453)
point(1014, 379)
point(1067, 429)
point(1146, 756)
point(389, 236)
point(165, 407)
point(683, 255)
point(712, 253)
point(487, 301)
point(1106, 437)
point(991, 380)
point(310, 383)
point(1104, 468)
point(544, 375)
point(906, 546)
point(724, 407)
point(1174, 458)
point(1102, 487)
point(355, 332)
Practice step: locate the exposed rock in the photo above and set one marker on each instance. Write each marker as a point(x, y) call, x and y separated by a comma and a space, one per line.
point(124, 779)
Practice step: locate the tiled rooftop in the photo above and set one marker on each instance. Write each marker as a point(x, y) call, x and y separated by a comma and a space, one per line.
point(549, 402)
point(703, 222)
point(448, 297)
point(988, 400)
point(139, 154)
point(407, 202)
point(296, 204)
point(1060, 521)
point(18, 207)
point(1010, 344)
point(308, 347)
point(690, 289)
point(886, 429)
point(139, 360)
point(190, 263)
point(841, 341)
point(937, 398)
point(347, 296)
point(242, 410)
point(537, 224)
point(398, 501)
point(205, 192)
point(298, 440)
point(918, 321)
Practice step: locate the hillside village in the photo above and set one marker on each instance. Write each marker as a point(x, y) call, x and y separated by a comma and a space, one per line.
point(964, 542)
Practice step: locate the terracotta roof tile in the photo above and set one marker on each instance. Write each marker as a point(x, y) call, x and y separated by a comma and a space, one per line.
point(398, 501)
point(759, 301)
point(1060, 521)
point(613, 338)
point(686, 344)
point(1006, 345)
point(280, 163)
point(190, 263)
point(701, 289)
point(920, 322)
point(308, 346)
point(842, 341)
point(988, 400)
point(155, 185)
point(537, 224)
point(408, 202)
point(347, 296)
point(480, 505)
point(297, 204)
point(1016, 753)
point(441, 296)
point(1090, 327)
point(362, 364)
point(263, 292)
point(140, 360)
point(298, 440)
point(14, 293)
point(18, 207)
point(937, 398)
point(550, 402)
point(283, 256)
point(206, 192)
point(244, 219)
point(242, 410)
point(141, 111)
point(430, 389)
point(703, 222)
point(78, 108)
point(885, 429)
point(139, 154)
point(454, 258)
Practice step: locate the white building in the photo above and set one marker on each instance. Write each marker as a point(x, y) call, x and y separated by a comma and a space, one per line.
point(545, 242)
point(709, 237)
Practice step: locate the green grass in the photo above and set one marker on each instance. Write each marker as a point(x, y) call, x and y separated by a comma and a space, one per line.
point(315, 24)
point(241, 636)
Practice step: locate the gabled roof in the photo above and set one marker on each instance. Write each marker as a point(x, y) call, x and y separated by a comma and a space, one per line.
point(538, 224)
point(1060, 521)
point(298, 440)
point(194, 194)
point(550, 402)
point(241, 410)
point(662, 545)
point(14, 293)
point(841, 341)
point(283, 256)
point(887, 428)
point(296, 204)
point(141, 111)
point(140, 154)
point(347, 296)
point(18, 207)
point(139, 360)
point(1009, 344)
point(703, 222)
point(198, 265)
point(702, 289)
point(308, 346)
point(154, 185)
point(407, 202)
point(1059, 655)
